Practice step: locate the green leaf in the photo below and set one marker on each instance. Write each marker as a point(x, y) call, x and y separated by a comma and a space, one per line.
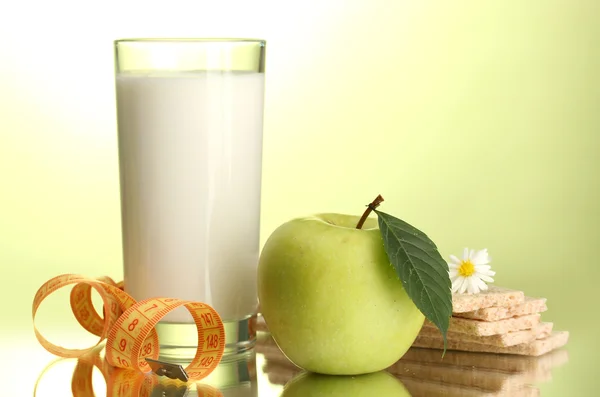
point(420, 267)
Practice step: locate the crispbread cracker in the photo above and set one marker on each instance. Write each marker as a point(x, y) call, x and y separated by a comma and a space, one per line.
point(536, 348)
point(494, 296)
point(530, 306)
point(422, 388)
point(508, 339)
point(486, 328)
point(502, 362)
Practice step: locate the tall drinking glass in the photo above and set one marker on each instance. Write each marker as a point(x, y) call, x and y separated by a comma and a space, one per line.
point(190, 121)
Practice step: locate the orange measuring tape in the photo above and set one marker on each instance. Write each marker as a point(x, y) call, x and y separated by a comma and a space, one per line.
point(128, 326)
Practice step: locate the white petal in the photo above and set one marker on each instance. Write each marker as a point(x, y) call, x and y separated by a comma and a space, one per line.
point(476, 282)
point(465, 254)
point(481, 261)
point(453, 273)
point(487, 272)
point(471, 254)
point(481, 257)
point(482, 285)
point(485, 278)
point(454, 259)
point(464, 286)
point(454, 288)
point(482, 268)
point(470, 286)
point(456, 283)
point(453, 265)
point(474, 287)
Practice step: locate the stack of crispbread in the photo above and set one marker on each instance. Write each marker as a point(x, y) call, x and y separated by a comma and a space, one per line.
point(498, 320)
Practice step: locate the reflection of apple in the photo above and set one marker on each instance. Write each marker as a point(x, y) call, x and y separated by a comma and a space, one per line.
point(314, 385)
point(330, 296)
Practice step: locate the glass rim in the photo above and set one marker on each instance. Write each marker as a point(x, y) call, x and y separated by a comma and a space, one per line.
point(190, 40)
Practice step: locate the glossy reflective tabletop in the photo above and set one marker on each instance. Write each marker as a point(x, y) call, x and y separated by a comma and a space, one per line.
point(266, 372)
point(26, 368)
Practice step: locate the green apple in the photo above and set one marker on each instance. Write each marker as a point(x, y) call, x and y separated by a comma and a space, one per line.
point(331, 299)
point(315, 385)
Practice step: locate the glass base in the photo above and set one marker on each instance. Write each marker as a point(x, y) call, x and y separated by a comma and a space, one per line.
point(235, 375)
point(178, 341)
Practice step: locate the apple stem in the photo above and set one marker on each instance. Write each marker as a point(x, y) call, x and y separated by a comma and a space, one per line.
point(378, 200)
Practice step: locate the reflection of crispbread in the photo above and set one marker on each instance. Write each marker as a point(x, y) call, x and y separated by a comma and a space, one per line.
point(530, 306)
point(266, 345)
point(277, 367)
point(535, 348)
point(508, 339)
point(486, 328)
point(279, 374)
point(260, 324)
point(483, 379)
point(421, 388)
point(493, 296)
point(502, 362)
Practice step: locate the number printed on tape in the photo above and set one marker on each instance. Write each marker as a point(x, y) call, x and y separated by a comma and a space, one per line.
point(129, 326)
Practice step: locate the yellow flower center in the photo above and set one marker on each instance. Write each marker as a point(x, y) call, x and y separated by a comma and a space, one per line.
point(466, 268)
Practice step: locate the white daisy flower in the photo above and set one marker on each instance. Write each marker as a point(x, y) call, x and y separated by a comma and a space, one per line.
point(471, 273)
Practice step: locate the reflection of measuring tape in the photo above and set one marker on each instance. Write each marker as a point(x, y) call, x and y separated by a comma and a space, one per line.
point(123, 383)
point(128, 326)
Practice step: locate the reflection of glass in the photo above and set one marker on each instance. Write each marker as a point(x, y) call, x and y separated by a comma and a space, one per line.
point(234, 377)
point(424, 373)
point(190, 116)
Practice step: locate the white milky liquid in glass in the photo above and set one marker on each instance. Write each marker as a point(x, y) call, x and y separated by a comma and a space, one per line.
point(190, 149)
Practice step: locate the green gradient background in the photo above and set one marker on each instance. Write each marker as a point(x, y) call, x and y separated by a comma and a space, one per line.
point(478, 122)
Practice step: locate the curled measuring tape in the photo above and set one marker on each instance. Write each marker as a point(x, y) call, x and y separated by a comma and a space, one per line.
point(128, 326)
